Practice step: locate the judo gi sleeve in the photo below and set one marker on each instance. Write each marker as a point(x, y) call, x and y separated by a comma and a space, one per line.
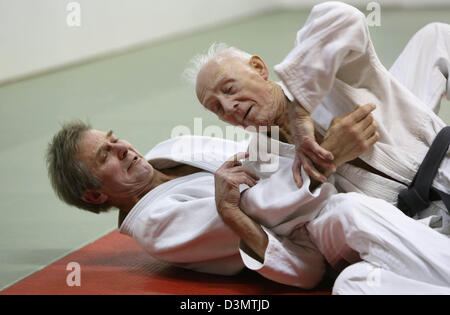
point(292, 261)
point(334, 34)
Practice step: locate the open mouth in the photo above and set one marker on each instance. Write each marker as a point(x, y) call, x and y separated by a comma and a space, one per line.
point(133, 162)
point(248, 111)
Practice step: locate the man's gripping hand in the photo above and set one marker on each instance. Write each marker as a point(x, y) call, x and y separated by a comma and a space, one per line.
point(227, 179)
point(309, 153)
point(351, 135)
point(348, 137)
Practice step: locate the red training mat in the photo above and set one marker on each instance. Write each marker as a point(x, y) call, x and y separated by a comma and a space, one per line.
point(115, 264)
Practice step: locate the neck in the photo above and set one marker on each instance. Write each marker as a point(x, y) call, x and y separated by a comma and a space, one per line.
point(159, 177)
point(126, 204)
point(281, 117)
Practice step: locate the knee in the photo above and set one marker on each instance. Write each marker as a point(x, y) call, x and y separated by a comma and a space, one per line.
point(355, 279)
point(343, 283)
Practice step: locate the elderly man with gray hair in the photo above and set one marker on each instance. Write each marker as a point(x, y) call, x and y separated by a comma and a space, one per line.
point(331, 70)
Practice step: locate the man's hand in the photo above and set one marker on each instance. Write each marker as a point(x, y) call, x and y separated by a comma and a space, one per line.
point(348, 137)
point(309, 153)
point(351, 135)
point(227, 180)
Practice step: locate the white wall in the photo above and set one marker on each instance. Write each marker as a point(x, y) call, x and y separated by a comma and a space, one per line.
point(35, 37)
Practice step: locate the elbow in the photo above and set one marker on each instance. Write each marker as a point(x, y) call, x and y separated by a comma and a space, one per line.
point(344, 10)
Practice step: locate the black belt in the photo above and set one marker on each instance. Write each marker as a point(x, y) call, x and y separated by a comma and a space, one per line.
point(420, 192)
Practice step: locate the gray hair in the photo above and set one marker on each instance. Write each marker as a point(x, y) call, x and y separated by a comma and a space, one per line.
point(69, 177)
point(214, 51)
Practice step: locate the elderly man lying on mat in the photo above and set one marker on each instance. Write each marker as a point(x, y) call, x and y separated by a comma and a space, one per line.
point(183, 210)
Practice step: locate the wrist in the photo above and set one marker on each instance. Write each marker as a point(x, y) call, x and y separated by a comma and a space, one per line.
point(228, 211)
point(333, 149)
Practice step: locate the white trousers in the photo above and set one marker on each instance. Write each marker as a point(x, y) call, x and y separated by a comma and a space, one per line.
point(391, 253)
point(424, 65)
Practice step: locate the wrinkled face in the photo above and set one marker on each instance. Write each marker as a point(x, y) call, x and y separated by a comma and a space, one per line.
point(237, 92)
point(123, 171)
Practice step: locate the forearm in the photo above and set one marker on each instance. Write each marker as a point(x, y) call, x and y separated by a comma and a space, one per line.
point(325, 171)
point(250, 233)
point(300, 122)
point(316, 160)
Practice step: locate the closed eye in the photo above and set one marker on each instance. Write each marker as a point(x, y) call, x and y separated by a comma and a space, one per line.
point(106, 153)
point(107, 150)
point(229, 89)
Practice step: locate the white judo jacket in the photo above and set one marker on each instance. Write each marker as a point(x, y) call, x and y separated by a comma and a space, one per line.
point(332, 68)
point(177, 222)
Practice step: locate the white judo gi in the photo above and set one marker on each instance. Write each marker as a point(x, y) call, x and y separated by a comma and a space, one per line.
point(177, 222)
point(389, 253)
point(334, 67)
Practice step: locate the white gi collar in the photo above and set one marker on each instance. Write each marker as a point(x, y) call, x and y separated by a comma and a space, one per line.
point(206, 153)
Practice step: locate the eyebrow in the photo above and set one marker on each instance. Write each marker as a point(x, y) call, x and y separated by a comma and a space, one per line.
point(223, 80)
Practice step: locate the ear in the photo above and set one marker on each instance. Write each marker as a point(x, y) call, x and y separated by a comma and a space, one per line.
point(257, 64)
point(94, 197)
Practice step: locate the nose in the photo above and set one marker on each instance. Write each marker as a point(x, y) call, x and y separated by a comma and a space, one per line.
point(121, 150)
point(230, 107)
